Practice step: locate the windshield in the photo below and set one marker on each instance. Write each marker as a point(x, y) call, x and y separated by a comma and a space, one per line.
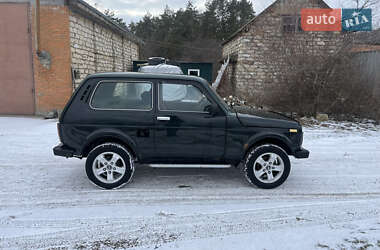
point(225, 105)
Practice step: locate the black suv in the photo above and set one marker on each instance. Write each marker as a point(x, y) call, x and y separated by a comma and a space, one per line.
point(118, 119)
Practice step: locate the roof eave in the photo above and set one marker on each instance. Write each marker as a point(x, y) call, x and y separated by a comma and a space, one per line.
point(248, 23)
point(255, 18)
point(81, 7)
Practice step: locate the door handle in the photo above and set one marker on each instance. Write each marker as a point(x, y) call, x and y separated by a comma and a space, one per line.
point(163, 118)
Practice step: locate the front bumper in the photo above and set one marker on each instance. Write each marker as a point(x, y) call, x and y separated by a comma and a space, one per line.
point(301, 153)
point(64, 151)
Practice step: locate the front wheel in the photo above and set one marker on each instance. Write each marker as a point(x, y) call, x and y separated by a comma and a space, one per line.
point(110, 166)
point(267, 166)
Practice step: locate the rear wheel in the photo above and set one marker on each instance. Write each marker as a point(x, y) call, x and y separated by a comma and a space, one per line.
point(110, 166)
point(267, 166)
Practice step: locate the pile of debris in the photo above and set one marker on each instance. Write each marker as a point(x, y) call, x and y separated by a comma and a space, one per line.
point(234, 101)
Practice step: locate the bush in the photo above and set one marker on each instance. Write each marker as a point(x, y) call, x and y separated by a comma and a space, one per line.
point(332, 83)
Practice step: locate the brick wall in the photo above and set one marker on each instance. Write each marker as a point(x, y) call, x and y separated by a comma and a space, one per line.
point(53, 85)
point(258, 61)
point(95, 48)
point(70, 40)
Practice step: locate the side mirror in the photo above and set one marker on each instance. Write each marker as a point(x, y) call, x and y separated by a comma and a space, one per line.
point(212, 109)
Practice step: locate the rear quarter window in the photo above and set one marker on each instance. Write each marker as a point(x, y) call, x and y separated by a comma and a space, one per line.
point(111, 95)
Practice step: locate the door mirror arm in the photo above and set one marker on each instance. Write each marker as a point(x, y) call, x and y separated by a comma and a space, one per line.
point(212, 109)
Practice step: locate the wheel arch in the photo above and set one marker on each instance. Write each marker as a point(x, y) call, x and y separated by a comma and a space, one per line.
point(109, 136)
point(275, 139)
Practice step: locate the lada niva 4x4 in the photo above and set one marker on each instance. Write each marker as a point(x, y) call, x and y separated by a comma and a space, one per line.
point(116, 120)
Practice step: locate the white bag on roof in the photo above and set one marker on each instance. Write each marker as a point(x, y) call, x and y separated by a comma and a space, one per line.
point(161, 69)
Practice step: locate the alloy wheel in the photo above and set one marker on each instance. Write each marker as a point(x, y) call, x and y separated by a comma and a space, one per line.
point(268, 167)
point(109, 167)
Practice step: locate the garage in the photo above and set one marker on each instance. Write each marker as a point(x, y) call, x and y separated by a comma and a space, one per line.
point(16, 82)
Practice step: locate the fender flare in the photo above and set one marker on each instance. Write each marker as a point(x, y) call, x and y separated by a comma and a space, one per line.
point(269, 136)
point(111, 134)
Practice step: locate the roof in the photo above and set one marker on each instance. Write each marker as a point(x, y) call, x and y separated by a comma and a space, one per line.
point(369, 38)
point(83, 8)
point(258, 16)
point(366, 48)
point(147, 76)
point(196, 62)
point(144, 76)
point(170, 62)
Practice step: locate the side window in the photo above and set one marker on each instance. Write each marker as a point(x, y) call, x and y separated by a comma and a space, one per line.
point(123, 95)
point(182, 97)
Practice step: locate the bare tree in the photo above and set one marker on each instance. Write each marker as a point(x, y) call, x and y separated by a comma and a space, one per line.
point(308, 73)
point(322, 81)
point(362, 4)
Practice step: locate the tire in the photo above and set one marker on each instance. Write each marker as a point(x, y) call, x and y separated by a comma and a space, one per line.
point(267, 166)
point(110, 166)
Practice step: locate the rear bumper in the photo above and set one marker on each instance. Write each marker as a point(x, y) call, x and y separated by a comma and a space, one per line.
point(64, 151)
point(301, 153)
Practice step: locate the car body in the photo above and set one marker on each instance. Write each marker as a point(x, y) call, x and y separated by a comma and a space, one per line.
point(168, 119)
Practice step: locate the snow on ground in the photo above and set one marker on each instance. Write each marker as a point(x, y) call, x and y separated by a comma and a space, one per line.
point(331, 200)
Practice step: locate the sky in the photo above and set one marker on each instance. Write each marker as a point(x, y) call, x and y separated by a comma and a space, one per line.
point(134, 10)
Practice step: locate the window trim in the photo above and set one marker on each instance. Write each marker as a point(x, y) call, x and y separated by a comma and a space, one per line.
point(181, 111)
point(297, 24)
point(122, 81)
point(196, 70)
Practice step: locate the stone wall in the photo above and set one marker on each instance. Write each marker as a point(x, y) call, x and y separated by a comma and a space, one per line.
point(95, 48)
point(233, 46)
point(257, 47)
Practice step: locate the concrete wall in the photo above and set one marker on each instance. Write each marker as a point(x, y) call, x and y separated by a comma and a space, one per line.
point(368, 68)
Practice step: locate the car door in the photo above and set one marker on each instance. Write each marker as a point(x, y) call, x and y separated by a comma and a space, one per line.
point(125, 107)
point(185, 131)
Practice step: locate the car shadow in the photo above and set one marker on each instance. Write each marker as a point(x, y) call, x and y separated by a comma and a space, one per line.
point(178, 177)
point(150, 178)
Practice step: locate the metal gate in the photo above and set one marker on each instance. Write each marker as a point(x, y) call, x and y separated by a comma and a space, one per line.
point(16, 74)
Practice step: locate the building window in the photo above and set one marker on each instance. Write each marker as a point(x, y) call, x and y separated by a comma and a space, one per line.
point(291, 24)
point(194, 72)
